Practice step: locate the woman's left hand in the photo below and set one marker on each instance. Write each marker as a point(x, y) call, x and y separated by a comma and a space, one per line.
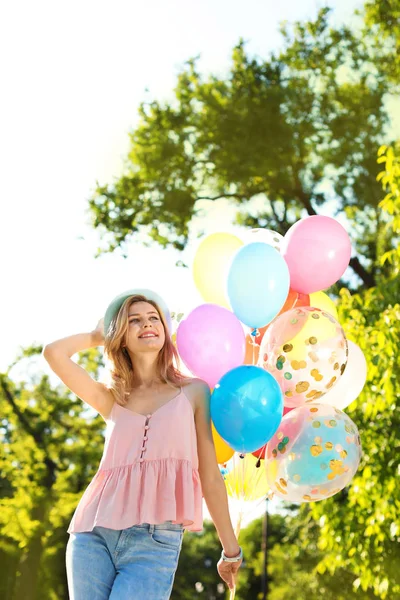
point(228, 571)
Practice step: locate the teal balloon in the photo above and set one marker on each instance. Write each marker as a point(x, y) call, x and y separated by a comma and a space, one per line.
point(257, 284)
point(313, 469)
point(246, 407)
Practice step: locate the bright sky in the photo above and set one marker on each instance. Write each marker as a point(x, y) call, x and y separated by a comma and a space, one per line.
point(73, 75)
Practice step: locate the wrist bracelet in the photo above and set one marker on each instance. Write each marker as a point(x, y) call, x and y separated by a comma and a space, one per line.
point(234, 558)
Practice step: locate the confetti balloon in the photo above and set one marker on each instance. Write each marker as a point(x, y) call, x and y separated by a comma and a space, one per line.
point(313, 455)
point(268, 236)
point(306, 350)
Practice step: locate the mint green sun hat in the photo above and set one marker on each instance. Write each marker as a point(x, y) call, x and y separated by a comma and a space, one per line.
point(118, 301)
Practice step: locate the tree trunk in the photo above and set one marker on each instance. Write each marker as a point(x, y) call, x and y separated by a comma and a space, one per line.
point(28, 568)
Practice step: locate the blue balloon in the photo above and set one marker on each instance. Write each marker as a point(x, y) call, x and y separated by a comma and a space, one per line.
point(313, 468)
point(247, 407)
point(257, 284)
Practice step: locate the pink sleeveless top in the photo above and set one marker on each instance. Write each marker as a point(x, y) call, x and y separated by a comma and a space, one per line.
point(148, 472)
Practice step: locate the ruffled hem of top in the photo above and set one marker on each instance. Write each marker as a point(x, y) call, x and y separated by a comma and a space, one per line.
point(153, 492)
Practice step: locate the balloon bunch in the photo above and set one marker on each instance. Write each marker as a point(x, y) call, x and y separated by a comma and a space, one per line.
point(269, 343)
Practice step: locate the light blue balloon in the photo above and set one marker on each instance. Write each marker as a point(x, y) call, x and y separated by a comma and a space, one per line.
point(313, 469)
point(247, 407)
point(257, 284)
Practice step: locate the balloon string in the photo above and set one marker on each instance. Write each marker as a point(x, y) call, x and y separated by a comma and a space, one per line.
point(254, 334)
point(255, 477)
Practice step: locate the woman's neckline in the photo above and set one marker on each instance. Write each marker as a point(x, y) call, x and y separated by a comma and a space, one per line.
point(155, 411)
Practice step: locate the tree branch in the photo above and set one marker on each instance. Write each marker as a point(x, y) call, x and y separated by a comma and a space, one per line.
point(364, 275)
point(221, 196)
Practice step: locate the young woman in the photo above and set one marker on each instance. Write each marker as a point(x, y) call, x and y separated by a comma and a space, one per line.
point(158, 461)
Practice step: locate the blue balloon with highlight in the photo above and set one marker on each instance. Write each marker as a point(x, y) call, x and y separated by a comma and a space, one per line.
point(247, 407)
point(257, 284)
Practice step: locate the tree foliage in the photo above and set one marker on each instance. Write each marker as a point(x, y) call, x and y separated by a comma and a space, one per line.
point(279, 137)
point(383, 17)
point(294, 134)
point(360, 530)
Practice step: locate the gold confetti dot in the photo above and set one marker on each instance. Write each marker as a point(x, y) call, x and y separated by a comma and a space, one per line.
point(288, 393)
point(314, 409)
point(312, 394)
point(316, 374)
point(281, 358)
point(283, 482)
point(298, 364)
point(313, 356)
point(306, 497)
point(279, 488)
point(330, 384)
point(315, 316)
point(313, 340)
point(318, 440)
point(296, 478)
point(287, 347)
point(316, 424)
point(342, 368)
point(302, 386)
point(292, 456)
point(329, 445)
point(315, 450)
point(336, 366)
point(332, 358)
point(343, 454)
point(279, 435)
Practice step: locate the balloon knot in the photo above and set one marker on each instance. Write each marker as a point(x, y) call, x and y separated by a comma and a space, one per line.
point(255, 332)
point(258, 463)
point(241, 455)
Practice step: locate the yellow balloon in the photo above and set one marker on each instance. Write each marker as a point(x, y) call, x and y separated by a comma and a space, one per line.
point(211, 265)
point(323, 302)
point(222, 450)
point(245, 481)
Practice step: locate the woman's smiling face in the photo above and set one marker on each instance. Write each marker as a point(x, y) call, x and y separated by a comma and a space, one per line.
point(145, 328)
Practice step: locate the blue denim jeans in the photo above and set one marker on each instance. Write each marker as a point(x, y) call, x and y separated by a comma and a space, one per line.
point(126, 564)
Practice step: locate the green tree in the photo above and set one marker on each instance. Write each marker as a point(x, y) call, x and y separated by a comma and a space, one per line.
point(49, 452)
point(279, 137)
point(383, 16)
point(360, 529)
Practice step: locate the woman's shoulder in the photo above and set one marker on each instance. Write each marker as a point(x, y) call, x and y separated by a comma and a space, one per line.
point(195, 384)
point(197, 391)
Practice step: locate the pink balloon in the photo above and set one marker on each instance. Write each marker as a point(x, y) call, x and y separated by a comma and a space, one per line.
point(211, 342)
point(317, 251)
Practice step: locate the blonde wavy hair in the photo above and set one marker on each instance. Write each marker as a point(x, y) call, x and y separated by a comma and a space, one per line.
point(122, 369)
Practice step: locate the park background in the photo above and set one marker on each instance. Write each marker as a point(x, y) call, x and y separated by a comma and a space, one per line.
point(115, 119)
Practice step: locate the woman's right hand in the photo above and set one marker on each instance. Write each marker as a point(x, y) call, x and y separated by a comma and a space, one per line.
point(98, 333)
